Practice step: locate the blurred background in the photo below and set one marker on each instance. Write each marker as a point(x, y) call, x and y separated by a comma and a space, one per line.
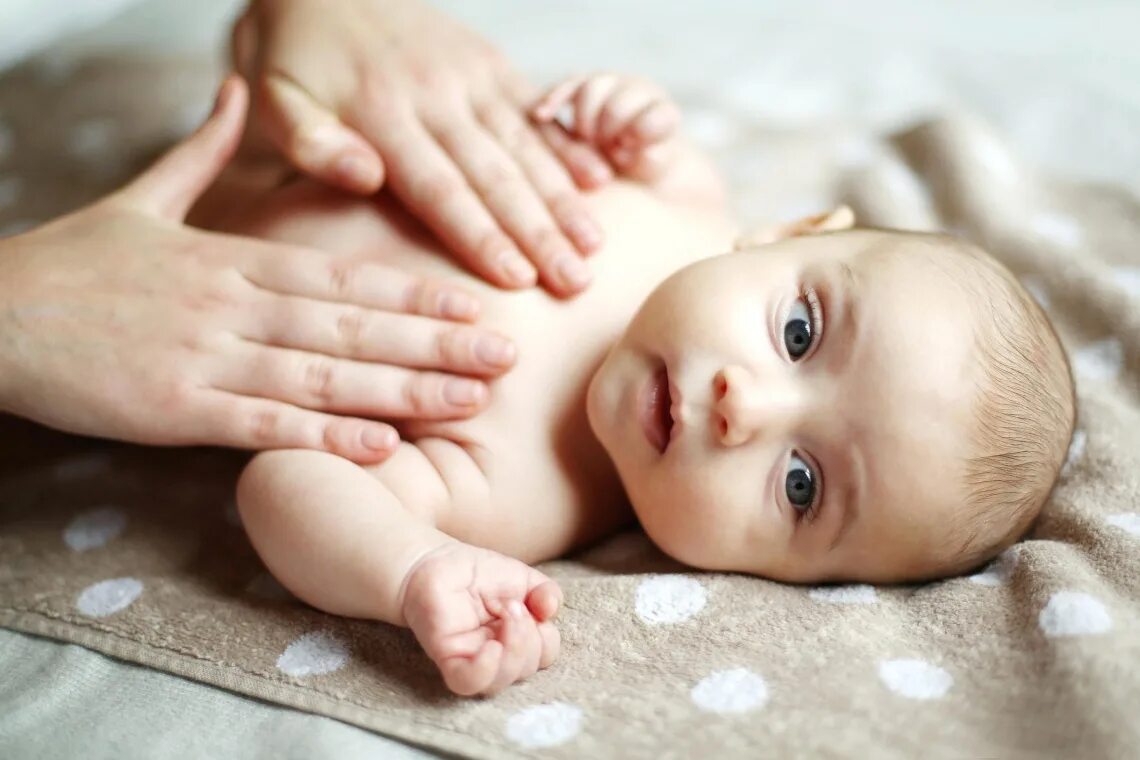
point(1059, 79)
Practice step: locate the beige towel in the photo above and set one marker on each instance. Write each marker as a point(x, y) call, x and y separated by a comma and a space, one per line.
point(139, 553)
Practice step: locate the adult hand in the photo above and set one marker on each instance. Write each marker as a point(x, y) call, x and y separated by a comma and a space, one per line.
point(119, 321)
point(361, 93)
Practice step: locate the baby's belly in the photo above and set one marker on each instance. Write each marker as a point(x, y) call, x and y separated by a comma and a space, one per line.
point(550, 480)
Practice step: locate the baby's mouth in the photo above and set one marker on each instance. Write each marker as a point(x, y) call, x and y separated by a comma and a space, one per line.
point(656, 410)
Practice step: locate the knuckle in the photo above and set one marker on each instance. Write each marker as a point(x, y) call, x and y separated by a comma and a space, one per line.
point(350, 329)
point(263, 425)
point(422, 394)
point(452, 347)
point(342, 280)
point(490, 246)
point(564, 205)
point(547, 243)
point(319, 379)
point(417, 296)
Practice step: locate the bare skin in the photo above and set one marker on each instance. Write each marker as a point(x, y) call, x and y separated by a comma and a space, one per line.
point(441, 536)
point(364, 93)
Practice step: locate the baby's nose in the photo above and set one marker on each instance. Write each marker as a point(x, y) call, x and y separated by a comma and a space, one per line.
point(743, 407)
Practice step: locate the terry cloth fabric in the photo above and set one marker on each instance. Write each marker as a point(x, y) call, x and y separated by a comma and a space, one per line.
point(139, 553)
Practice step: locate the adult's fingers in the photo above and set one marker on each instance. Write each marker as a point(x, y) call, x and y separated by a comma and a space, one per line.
point(503, 187)
point(302, 272)
point(247, 422)
point(314, 139)
point(588, 169)
point(433, 188)
point(342, 386)
point(369, 335)
point(549, 178)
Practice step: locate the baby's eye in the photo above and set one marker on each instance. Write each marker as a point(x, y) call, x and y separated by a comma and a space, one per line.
point(798, 330)
point(799, 484)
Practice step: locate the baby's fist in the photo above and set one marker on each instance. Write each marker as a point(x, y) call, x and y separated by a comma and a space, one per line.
point(483, 618)
point(627, 118)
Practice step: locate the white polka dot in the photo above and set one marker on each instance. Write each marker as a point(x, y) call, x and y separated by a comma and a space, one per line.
point(1061, 229)
point(95, 528)
point(709, 128)
point(1036, 287)
point(1129, 521)
point(1072, 613)
point(730, 691)
point(108, 597)
point(1129, 279)
point(265, 586)
point(10, 189)
point(669, 599)
point(313, 654)
point(857, 594)
point(5, 140)
point(998, 572)
point(545, 725)
point(915, 679)
point(1076, 451)
point(1102, 360)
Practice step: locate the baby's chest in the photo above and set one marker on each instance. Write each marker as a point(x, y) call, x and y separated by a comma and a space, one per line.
point(550, 486)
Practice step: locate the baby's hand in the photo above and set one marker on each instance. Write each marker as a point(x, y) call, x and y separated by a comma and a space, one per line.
point(483, 618)
point(631, 121)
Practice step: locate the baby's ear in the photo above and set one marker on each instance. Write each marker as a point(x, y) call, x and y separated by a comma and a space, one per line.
point(841, 218)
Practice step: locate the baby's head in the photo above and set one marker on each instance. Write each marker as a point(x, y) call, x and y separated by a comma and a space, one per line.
point(857, 405)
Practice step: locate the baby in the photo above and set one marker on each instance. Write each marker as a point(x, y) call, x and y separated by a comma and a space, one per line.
point(805, 403)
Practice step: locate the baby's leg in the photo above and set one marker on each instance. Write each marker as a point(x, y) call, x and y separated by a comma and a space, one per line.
point(332, 533)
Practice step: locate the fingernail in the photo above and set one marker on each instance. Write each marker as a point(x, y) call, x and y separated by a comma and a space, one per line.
point(515, 608)
point(463, 392)
point(357, 171)
point(517, 269)
point(586, 233)
point(458, 306)
point(574, 271)
point(379, 439)
point(496, 351)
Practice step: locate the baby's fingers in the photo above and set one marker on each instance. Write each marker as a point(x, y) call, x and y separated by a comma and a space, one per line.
point(544, 600)
point(521, 648)
point(622, 108)
point(546, 109)
point(551, 644)
point(467, 676)
point(656, 121)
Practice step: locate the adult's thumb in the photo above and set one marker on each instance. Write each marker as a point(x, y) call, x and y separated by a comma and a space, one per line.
point(171, 186)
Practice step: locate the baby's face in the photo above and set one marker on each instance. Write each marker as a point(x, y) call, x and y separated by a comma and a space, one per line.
point(799, 411)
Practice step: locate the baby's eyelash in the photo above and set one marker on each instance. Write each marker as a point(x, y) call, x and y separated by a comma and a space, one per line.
point(815, 306)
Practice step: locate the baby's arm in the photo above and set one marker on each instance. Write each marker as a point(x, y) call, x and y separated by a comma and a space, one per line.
point(363, 543)
point(635, 125)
